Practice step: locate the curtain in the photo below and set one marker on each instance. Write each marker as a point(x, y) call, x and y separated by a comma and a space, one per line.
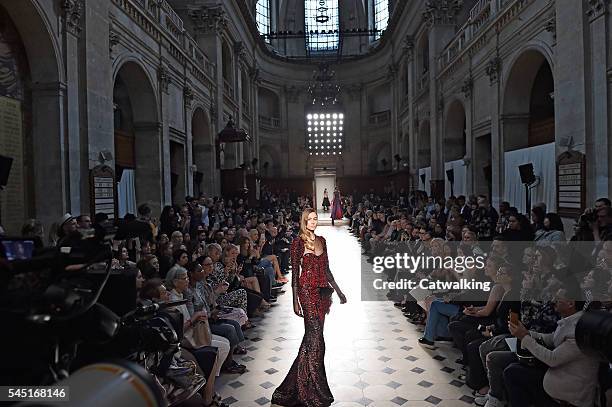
point(126, 193)
point(460, 173)
point(544, 166)
point(427, 172)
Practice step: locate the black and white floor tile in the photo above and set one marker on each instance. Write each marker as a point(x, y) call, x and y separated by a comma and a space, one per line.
point(372, 355)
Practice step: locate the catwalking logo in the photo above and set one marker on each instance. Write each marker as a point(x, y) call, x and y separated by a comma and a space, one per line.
point(414, 263)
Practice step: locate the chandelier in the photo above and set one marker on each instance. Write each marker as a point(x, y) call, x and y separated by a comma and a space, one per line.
point(323, 90)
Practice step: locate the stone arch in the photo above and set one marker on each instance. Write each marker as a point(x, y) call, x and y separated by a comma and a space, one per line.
point(529, 78)
point(39, 143)
point(138, 149)
point(203, 152)
point(454, 131)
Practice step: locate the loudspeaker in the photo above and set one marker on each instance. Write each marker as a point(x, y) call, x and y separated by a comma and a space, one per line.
point(527, 175)
point(450, 175)
point(423, 178)
point(197, 177)
point(5, 169)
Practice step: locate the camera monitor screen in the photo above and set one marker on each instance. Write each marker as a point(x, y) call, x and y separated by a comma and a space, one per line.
point(18, 249)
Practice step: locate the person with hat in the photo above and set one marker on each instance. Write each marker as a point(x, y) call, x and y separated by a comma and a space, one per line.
point(67, 231)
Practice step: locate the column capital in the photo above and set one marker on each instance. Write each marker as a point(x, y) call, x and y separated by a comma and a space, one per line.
point(442, 12)
point(209, 19)
point(493, 69)
point(72, 15)
point(596, 8)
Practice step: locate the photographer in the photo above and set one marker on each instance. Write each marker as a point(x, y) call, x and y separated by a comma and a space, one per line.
point(564, 372)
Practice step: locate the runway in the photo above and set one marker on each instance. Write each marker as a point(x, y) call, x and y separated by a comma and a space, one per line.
point(372, 355)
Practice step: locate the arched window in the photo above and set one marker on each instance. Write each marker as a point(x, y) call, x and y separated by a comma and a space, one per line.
point(263, 17)
point(322, 24)
point(381, 16)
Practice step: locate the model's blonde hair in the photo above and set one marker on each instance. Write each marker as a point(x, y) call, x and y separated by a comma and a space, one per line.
point(306, 235)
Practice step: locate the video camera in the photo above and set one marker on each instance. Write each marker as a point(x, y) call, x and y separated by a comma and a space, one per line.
point(68, 310)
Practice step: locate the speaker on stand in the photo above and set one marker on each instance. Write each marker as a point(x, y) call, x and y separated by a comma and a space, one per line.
point(528, 178)
point(450, 175)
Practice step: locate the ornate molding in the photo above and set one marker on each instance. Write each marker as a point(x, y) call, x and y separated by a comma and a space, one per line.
point(188, 94)
point(551, 25)
point(72, 15)
point(409, 47)
point(293, 93)
point(442, 11)
point(596, 8)
point(440, 105)
point(255, 75)
point(209, 19)
point(354, 90)
point(392, 70)
point(493, 68)
point(113, 39)
point(467, 87)
point(163, 75)
point(239, 50)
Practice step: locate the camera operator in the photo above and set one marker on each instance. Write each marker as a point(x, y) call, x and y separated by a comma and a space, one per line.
point(599, 219)
point(563, 372)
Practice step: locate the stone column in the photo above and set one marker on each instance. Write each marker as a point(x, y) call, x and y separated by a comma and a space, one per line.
point(467, 89)
point(71, 33)
point(497, 137)
point(440, 16)
point(49, 153)
point(152, 165)
point(187, 99)
point(396, 102)
point(598, 139)
point(97, 124)
point(413, 128)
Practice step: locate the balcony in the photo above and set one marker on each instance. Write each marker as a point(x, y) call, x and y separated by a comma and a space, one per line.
point(228, 89)
point(271, 122)
point(157, 18)
point(482, 14)
point(380, 118)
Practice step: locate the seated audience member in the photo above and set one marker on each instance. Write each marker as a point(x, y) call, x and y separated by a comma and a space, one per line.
point(564, 372)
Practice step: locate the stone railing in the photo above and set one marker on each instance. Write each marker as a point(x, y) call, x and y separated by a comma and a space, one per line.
point(266, 121)
point(380, 118)
point(157, 17)
point(228, 89)
point(482, 14)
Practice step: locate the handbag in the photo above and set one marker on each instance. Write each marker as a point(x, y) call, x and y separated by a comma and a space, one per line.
point(198, 336)
point(326, 292)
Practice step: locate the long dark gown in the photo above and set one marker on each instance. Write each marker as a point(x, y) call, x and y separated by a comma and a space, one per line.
point(306, 383)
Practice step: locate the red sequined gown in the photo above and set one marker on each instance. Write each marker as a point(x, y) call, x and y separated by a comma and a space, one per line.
point(306, 382)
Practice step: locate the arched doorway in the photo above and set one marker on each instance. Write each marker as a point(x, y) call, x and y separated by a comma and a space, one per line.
point(528, 124)
point(31, 118)
point(203, 153)
point(138, 158)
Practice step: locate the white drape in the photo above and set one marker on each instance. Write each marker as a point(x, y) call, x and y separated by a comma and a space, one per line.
point(427, 172)
point(460, 173)
point(544, 166)
point(126, 193)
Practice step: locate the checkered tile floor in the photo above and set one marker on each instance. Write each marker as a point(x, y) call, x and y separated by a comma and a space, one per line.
point(372, 355)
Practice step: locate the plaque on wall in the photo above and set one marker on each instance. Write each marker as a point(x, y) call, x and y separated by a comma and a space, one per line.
point(103, 191)
point(571, 184)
